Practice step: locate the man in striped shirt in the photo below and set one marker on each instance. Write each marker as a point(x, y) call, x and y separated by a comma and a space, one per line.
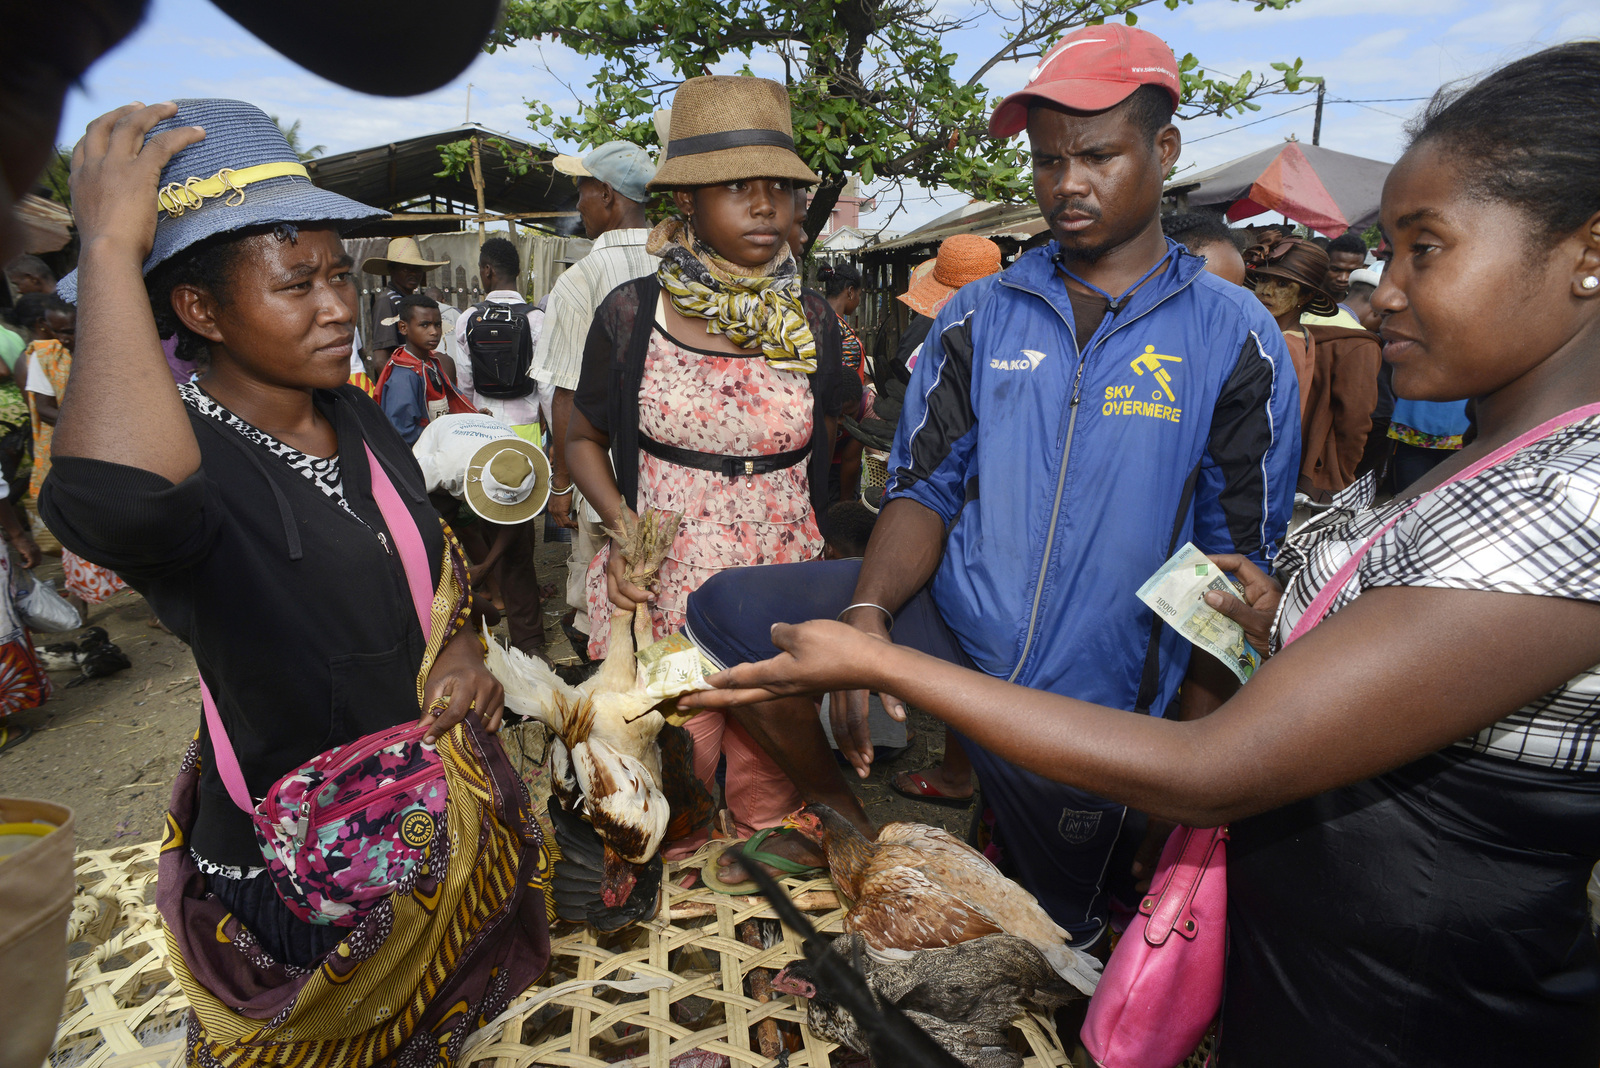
point(611, 195)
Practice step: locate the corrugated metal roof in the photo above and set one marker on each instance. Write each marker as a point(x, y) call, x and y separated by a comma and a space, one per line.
point(389, 175)
point(46, 225)
point(1020, 221)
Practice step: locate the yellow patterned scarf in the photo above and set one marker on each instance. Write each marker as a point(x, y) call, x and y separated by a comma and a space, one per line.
point(754, 308)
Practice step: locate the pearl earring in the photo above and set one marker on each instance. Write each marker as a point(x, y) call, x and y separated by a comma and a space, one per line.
point(1590, 282)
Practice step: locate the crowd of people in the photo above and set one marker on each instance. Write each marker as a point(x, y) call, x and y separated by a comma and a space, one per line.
point(1394, 452)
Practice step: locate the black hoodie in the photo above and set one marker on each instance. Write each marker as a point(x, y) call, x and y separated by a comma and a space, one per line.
point(299, 616)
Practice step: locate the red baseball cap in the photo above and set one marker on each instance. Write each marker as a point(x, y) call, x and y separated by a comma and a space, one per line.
point(1091, 69)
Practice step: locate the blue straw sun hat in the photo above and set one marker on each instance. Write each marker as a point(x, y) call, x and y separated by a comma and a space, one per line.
point(243, 174)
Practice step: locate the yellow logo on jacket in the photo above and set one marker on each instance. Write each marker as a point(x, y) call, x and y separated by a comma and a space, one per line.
point(1120, 399)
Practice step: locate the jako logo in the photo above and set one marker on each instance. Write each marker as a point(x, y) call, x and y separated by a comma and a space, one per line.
point(1030, 360)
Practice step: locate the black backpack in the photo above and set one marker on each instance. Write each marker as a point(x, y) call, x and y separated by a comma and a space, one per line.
point(500, 345)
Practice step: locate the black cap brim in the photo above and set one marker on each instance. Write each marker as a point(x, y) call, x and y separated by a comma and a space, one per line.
point(361, 44)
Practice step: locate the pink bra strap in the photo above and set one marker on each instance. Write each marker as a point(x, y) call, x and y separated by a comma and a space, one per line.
point(419, 577)
point(1317, 610)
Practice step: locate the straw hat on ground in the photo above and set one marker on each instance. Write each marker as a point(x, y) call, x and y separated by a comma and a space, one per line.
point(404, 251)
point(962, 258)
point(726, 127)
point(1293, 260)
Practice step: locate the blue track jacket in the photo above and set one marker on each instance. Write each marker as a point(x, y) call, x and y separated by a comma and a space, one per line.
point(1060, 472)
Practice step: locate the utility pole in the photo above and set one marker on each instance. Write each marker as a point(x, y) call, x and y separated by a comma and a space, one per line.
point(468, 119)
point(1316, 126)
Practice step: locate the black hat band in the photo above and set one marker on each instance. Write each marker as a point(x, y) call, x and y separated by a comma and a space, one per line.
point(722, 140)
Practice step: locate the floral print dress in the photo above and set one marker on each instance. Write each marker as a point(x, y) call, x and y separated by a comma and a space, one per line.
point(720, 403)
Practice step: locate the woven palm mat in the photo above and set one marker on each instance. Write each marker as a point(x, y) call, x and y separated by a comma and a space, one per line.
point(677, 992)
point(685, 984)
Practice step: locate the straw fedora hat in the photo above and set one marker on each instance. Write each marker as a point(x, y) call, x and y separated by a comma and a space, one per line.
point(962, 258)
point(404, 251)
point(726, 127)
point(1293, 260)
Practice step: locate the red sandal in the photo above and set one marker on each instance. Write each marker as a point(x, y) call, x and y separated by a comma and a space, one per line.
point(928, 792)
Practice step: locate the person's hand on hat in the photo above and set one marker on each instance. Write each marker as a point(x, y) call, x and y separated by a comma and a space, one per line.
point(115, 172)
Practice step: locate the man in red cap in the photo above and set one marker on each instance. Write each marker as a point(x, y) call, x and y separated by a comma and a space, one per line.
point(1072, 422)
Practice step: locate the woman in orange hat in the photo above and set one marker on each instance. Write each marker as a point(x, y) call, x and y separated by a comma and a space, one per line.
point(712, 385)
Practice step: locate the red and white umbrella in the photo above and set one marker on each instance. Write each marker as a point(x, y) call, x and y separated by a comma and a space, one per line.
point(1328, 191)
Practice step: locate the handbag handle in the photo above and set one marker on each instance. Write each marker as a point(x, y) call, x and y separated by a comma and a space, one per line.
point(1166, 906)
point(1317, 610)
point(413, 558)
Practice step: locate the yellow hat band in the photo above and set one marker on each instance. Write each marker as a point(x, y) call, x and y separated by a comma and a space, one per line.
point(178, 198)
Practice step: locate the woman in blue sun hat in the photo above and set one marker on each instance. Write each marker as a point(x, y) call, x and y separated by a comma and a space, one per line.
point(277, 523)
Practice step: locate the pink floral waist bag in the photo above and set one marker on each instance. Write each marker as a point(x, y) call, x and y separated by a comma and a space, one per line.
point(349, 827)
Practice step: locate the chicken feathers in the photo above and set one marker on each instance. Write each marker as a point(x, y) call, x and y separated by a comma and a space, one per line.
point(965, 997)
point(606, 761)
point(918, 887)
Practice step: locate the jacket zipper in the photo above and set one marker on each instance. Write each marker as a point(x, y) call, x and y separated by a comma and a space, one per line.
point(1066, 454)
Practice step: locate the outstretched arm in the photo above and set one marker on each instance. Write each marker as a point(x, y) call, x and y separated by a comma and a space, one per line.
point(120, 404)
point(1366, 691)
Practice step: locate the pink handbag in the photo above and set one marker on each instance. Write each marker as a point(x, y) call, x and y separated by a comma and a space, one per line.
point(1152, 1008)
point(345, 830)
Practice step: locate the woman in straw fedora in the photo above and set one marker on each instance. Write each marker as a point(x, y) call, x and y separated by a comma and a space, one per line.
point(713, 384)
point(276, 522)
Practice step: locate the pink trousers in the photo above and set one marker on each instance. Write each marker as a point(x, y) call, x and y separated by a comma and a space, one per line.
point(759, 793)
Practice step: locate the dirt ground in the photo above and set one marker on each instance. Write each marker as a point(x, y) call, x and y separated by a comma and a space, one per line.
point(108, 748)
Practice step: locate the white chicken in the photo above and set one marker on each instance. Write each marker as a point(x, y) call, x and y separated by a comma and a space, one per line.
point(605, 760)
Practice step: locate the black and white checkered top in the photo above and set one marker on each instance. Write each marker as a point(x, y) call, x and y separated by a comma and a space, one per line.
point(1530, 525)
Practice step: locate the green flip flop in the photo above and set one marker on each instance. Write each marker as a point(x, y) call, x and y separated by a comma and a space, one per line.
point(751, 850)
point(11, 737)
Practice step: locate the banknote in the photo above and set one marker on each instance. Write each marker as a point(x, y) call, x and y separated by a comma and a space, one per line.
point(674, 666)
point(1177, 593)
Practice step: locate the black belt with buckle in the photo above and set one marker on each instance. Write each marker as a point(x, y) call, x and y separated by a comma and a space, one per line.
point(728, 466)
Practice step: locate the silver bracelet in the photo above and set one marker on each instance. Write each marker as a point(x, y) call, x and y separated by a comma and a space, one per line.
point(867, 604)
point(563, 492)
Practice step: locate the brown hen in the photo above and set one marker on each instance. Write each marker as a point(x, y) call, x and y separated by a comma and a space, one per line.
point(918, 887)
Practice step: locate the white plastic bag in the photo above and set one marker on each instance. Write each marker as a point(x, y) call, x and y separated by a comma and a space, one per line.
point(44, 609)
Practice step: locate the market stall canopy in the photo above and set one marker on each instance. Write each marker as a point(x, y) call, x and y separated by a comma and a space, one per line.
point(402, 177)
point(1329, 191)
point(46, 226)
point(1016, 221)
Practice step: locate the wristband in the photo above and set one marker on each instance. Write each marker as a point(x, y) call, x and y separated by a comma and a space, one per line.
point(867, 604)
point(562, 492)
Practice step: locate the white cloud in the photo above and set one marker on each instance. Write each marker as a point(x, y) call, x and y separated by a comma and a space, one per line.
point(1215, 15)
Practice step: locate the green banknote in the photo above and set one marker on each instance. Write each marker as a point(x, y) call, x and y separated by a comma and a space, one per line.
point(1177, 593)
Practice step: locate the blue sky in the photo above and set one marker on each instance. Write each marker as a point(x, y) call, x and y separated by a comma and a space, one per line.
point(1366, 49)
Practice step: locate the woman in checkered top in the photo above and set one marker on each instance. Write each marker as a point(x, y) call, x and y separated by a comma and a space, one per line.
point(1413, 789)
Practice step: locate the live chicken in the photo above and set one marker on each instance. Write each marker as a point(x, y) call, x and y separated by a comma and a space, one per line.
point(918, 887)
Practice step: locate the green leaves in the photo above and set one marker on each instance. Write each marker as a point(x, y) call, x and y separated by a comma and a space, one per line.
point(457, 159)
point(873, 88)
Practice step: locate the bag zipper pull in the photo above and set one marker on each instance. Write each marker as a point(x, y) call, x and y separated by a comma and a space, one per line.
point(384, 539)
